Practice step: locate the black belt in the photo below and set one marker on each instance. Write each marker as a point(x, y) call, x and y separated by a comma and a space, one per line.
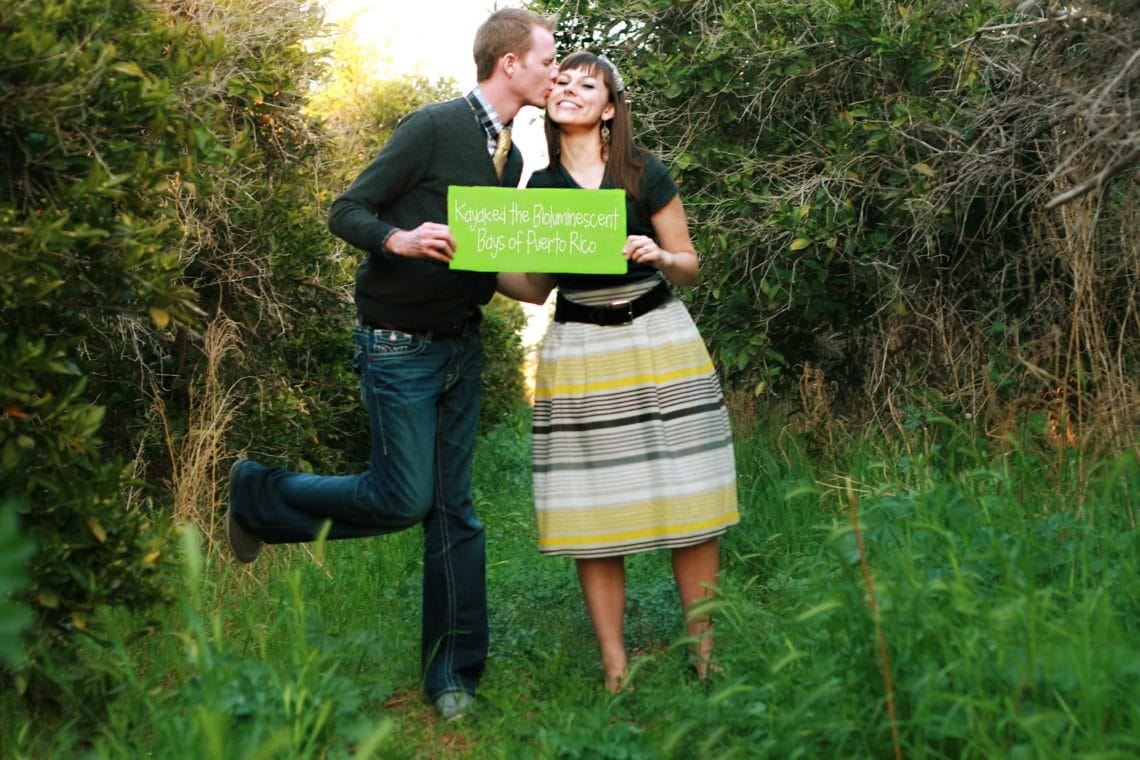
point(463, 328)
point(613, 314)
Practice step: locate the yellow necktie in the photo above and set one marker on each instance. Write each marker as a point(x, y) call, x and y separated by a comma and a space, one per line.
point(502, 148)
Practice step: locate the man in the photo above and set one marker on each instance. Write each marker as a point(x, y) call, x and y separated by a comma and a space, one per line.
point(420, 356)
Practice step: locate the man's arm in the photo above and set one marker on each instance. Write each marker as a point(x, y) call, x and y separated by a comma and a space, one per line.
point(357, 215)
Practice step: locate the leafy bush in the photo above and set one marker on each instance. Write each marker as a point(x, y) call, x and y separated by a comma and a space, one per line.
point(868, 186)
point(90, 112)
point(169, 291)
point(160, 174)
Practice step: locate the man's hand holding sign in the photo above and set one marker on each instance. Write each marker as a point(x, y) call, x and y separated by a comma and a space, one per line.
point(430, 240)
point(499, 229)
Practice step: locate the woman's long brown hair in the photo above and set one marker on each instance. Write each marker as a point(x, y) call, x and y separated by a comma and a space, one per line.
point(626, 161)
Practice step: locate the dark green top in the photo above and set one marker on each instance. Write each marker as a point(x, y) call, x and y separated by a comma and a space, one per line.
point(405, 185)
point(654, 191)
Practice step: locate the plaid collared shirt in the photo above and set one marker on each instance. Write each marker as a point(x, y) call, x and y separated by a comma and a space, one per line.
point(485, 112)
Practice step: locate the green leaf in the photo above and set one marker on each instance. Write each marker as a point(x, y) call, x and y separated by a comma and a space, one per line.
point(15, 550)
point(130, 68)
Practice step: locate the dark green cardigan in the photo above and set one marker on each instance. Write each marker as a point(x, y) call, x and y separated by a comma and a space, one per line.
point(405, 185)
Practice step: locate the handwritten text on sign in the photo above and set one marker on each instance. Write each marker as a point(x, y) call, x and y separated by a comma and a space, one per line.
point(502, 229)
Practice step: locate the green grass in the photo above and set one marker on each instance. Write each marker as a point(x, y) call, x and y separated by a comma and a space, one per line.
point(1007, 579)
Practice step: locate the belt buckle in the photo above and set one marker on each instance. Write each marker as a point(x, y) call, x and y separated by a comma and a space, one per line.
point(623, 309)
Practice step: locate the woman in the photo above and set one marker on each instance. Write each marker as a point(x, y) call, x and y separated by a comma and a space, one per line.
point(632, 449)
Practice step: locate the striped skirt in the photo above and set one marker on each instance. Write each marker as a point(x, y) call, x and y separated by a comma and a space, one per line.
point(632, 449)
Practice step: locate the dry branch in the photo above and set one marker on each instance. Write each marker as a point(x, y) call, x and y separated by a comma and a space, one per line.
point(1097, 181)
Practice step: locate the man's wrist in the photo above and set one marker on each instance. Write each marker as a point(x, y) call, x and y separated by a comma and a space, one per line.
point(387, 238)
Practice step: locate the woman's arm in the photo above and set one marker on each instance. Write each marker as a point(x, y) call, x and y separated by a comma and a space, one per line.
point(532, 287)
point(673, 255)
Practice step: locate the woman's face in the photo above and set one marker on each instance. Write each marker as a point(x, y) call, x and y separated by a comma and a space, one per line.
point(579, 98)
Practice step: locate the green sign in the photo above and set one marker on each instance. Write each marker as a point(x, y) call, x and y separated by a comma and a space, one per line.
point(502, 229)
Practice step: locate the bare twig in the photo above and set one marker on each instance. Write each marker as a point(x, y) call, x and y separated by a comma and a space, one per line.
point(1098, 180)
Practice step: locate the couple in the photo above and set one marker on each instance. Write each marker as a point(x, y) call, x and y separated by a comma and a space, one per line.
point(632, 449)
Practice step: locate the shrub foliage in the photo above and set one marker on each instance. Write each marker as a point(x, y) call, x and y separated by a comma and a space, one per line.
point(868, 183)
point(96, 131)
point(169, 294)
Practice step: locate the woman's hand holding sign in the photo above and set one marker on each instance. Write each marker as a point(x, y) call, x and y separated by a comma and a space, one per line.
point(431, 240)
point(674, 256)
point(642, 249)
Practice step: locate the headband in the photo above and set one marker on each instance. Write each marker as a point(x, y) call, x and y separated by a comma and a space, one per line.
point(619, 83)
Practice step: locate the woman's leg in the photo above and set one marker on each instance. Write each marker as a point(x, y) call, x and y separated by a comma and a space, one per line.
point(695, 569)
point(603, 587)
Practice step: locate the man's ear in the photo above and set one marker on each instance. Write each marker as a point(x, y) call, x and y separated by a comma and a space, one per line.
point(508, 62)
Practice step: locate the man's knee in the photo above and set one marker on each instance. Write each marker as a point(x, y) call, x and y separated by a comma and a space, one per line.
point(397, 505)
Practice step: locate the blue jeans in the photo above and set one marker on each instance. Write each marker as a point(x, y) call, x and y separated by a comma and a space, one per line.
point(422, 396)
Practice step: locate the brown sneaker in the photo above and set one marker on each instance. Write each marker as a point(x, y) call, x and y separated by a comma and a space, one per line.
point(245, 545)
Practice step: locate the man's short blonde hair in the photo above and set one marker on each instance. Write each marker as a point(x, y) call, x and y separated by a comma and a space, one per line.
point(506, 31)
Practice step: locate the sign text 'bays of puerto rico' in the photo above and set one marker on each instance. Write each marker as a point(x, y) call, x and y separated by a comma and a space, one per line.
point(503, 229)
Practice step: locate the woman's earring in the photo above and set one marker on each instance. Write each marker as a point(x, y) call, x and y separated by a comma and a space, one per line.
point(605, 142)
